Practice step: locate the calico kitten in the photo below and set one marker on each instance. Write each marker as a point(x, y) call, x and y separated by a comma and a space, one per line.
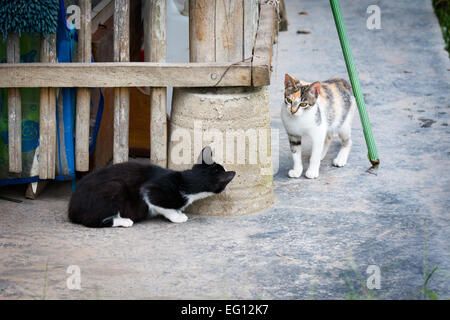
point(318, 110)
point(121, 194)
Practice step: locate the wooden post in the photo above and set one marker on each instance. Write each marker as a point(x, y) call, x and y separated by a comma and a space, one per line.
point(222, 31)
point(251, 14)
point(83, 94)
point(155, 51)
point(121, 95)
point(47, 125)
point(229, 31)
point(202, 38)
point(262, 52)
point(14, 109)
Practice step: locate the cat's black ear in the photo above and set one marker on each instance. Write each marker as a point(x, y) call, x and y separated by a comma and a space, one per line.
point(205, 156)
point(227, 176)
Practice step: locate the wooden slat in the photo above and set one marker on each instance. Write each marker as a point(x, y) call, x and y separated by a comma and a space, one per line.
point(229, 30)
point(124, 74)
point(202, 41)
point(101, 13)
point(121, 95)
point(83, 94)
point(262, 55)
point(158, 127)
point(14, 109)
point(121, 124)
point(155, 46)
point(251, 15)
point(47, 124)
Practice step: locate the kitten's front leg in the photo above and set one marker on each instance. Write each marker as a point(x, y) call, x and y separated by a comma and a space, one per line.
point(173, 215)
point(296, 149)
point(318, 139)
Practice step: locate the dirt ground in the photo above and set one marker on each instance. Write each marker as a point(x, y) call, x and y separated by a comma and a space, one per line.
point(320, 237)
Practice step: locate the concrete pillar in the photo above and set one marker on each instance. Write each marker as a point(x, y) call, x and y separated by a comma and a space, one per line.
point(234, 122)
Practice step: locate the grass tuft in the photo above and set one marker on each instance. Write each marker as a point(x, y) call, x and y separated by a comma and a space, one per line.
point(442, 10)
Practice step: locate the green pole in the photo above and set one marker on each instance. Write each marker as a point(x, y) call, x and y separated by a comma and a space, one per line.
point(353, 74)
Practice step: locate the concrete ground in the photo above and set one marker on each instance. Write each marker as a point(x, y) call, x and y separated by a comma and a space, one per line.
point(319, 238)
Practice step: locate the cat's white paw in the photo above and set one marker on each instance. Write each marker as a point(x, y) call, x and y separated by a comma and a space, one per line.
point(339, 161)
point(294, 173)
point(127, 223)
point(122, 222)
point(178, 218)
point(312, 173)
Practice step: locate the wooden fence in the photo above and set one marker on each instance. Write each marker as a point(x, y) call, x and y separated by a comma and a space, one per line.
point(121, 74)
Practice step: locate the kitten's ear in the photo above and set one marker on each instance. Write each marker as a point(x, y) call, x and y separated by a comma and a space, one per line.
point(227, 176)
point(314, 88)
point(289, 81)
point(205, 156)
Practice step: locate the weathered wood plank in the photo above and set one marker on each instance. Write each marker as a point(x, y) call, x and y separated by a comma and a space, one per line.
point(262, 55)
point(158, 127)
point(124, 74)
point(229, 30)
point(47, 112)
point(202, 40)
point(122, 30)
point(156, 36)
point(121, 124)
point(251, 15)
point(155, 51)
point(121, 95)
point(83, 94)
point(14, 109)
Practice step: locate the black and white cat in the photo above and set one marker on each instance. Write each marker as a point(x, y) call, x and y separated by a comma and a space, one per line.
point(121, 194)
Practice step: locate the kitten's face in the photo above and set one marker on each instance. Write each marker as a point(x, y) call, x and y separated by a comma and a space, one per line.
point(213, 176)
point(298, 97)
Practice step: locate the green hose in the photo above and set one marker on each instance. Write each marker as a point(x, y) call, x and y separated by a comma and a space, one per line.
point(351, 69)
